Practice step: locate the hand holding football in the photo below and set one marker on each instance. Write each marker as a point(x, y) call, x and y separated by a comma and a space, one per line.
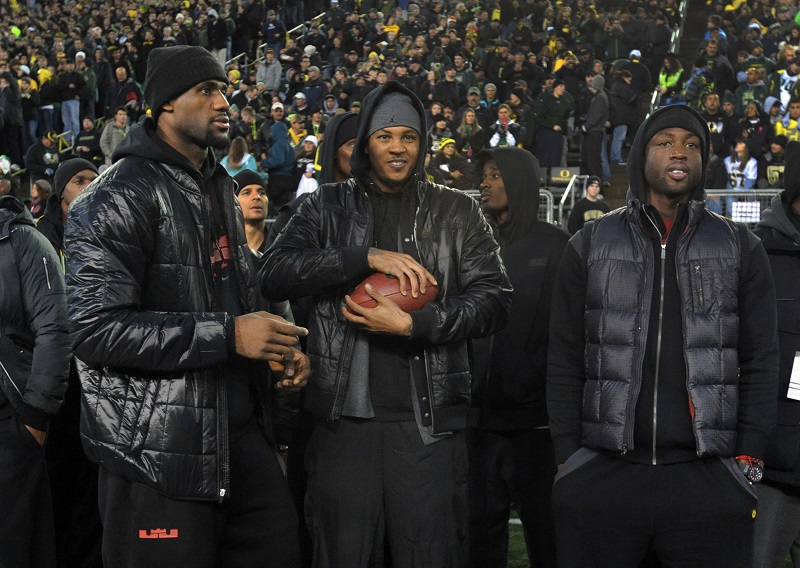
point(389, 286)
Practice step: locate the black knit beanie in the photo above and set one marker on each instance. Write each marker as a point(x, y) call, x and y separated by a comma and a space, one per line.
point(171, 71)
point(791, 171)
point(66, 170)
point(347, 130)
point(247, 177)
point(678, 116)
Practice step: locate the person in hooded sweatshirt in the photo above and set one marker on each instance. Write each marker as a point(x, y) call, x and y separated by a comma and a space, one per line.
point(279, 164)
point(390, 389)
point(662, 370)
point(73, 477)
point(171, 346)
point(778, 520)
point(511, 454)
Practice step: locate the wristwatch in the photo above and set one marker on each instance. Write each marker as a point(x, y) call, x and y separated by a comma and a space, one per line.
point(752, 468)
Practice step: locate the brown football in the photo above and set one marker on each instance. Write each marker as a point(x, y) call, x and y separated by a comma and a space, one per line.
point(389, 286)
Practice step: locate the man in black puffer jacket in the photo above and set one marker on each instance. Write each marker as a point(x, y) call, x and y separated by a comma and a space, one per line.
point(662, 369)
point(169, 345)
point(34, 363)
point(390, 389)
point(778, 521)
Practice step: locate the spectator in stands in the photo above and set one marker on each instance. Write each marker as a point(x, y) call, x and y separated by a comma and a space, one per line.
point(594, 128)
point(721, 129)
point(756, 60)
point(30, 102)
point(239, 158)
point(279, 164)
point(505, 131)
point(114, 132)
point(752, 90)
point(699, 85)
point(71, 89)
point(754, 128)
point(252, 196)
point(624, 98)
point(589, 207)
point(742, 169)
point(448, 90)
point(273, 32)
point(87, 143)
point(551, 109)
point(41, 159)
point(771, 165)
point(124, 93)
point(781, 84)
point(455, 169)
point(670, 79)
point(12, 123)
point(314, 89)
point(790, 125)
point(40, 193)
point(470, 138)
point(305, 154)
point(269, 71)
point(729, 106)
point(722, 72)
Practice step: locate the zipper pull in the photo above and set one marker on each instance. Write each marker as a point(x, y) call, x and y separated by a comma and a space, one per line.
point(663, 251)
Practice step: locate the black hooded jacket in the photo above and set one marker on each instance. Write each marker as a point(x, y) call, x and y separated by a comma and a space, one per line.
point(34, 340)
point(154, 347)
point(779, 232)
point(511, 365)
point(322, 252)
point(663, 354)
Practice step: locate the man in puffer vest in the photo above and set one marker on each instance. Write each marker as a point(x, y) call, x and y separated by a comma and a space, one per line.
point(662, 370)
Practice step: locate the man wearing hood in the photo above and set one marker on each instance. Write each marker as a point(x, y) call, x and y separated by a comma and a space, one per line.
point(778, 521)
point(511, 454)
point(391, 389)
point(662, 370)
point(73, 477)
point(34, 362)
point(170, 345)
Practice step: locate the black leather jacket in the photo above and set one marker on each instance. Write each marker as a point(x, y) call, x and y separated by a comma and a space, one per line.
point(148, 337)
point(322, 253)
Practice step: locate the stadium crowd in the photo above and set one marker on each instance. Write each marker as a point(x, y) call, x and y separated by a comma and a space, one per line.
point(490, 74)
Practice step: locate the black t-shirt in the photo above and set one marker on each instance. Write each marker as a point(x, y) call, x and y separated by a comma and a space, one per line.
point(389, 371)
point(237, 368)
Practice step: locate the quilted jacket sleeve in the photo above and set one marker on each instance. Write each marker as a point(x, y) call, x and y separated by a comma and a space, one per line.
point(111, 233)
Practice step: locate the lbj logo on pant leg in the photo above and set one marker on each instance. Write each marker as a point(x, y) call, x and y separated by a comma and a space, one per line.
point(158, 533)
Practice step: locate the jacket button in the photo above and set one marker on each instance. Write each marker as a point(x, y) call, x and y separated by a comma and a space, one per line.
point(416, 357)
point(407, 240)
point(424, 399)
point(427, 415)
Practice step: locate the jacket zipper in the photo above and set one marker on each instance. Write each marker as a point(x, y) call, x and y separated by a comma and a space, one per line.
point(10, 379)
point(222, 418)
point(46, 273)
point(658, 350)
point(349, 337)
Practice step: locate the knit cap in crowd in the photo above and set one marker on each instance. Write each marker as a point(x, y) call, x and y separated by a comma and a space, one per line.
point(171, 71)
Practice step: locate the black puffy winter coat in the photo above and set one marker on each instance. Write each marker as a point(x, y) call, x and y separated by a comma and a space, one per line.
point(149, 340)
point(34, 340)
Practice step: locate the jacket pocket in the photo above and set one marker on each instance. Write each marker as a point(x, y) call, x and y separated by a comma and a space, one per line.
point(733, 468)
point(574, 462)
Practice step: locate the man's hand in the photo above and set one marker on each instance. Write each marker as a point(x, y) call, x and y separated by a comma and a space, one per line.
point(385, 318)
point(261, 335)
point(293, 372)
point(411, 274)
point(40, 435)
